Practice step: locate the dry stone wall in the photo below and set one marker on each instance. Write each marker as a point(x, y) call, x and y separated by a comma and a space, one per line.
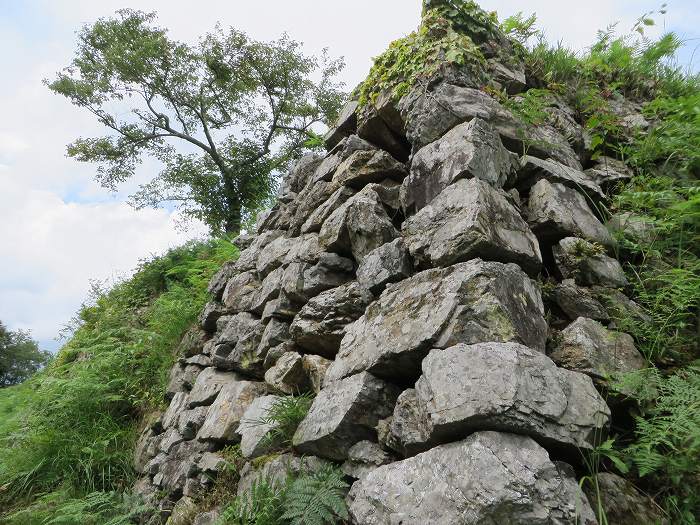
point(397, 279)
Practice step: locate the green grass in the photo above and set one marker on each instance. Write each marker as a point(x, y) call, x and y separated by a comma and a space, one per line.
point(71, 429)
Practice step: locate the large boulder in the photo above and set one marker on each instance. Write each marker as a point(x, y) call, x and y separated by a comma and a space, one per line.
point(319, 215)
point(470, 302)
point(358, 226)
point(208, 385)
point(587, 346)
point(241, 292)
point(226, 412)
point(588, 264)
point(575, 301)
point(320, 325)
point(344, 413)
point(302, 281)
point(406, 430)
point(509, 387)
point(364, 167)
point(556, 211)
point(471, 219)
point(288, 374)
point(533, 169)
point(472, 149)
point(344, 126)
point(254, 427)
point(237, 345)
point(489, 478)
point(364, 457)
point(387, 264)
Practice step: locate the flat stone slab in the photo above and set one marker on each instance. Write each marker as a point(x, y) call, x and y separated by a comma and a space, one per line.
point(226, 412)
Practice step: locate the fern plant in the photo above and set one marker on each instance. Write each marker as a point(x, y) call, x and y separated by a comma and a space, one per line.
point(284, 416)
point(316, 499)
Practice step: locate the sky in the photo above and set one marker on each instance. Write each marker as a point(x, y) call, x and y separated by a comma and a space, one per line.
point(59, 229)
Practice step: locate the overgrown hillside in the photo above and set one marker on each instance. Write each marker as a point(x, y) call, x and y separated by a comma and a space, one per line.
point(67, 435)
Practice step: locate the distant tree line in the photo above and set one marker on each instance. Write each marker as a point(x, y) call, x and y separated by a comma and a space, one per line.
point(20, 356)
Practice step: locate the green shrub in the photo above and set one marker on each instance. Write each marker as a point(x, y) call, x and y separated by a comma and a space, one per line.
point(285, 415)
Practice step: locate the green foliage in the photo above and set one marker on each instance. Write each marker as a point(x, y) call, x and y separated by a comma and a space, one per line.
point(418, 56)
point(285, 415)
point(77, 426)
point(223, 116)
point(20, 356)
point(316, 498)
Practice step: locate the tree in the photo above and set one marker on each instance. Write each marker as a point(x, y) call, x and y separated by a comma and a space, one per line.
point(20, 356)
point(224, 116)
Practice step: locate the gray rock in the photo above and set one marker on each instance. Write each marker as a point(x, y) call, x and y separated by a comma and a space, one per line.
point(269, 290)
point(276, 470)
point(358, 226)
point(430, 114)
point(316, 367)
point(310, 199)
point(619, 306)
point(248, 258)
point(237, 346)
point(288, 375)
point(181, 379)
point(371, 126)
point(276, 332)
point(226, 412)
point(472, 149)
point(471, 219)
point(337, 155)
point(320, 214)
point(576, 302)
point(210, 314)
point(344, 413)
point(363, 458)
point(243, 241)
point(387, 264)
point(320, 325)
point(241, 292)
point(408, 433)
point(220, 279)
point(178, 466)
point(192, 342)
point(177, 405)
point(622, 503)
point(533, 170)
point(282, 307)
point(190, 421)
point(272, 255)
point(169, 439)
point(511, 77)
point(344, 126)
point(147, 447)
point(208, 385)
point(303, 281)
point(366, 166)
point(469, 302)
point(588, 264)
point(207, 518)
point(300, 174)
point(512, 388)
point(587, 346)
point(608, 172)
point(628, 113)
point(556, 211)
point(637, 228)
point(253, 429)
point(487, 478)
point(183, 511)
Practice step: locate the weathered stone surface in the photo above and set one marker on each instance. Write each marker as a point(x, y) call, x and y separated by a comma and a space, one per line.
point(177, 405)
point(320, 214)
point(288, 374)
point(320, 325)
point(220, 279)
point(183, 511)
point(241, 292)
point(282, 307)
point(237, 346)
point(170, 438)
point(358, 226)
point(192, 342)
point(300, 174)
point(208, 385)
point(587, 346)
point(622, 503)
point(608, 172)
point(190, 421)
point(628, 113)
point(387, 264)
point(619, 306)
point(512, 388)
point(471, 219)
point(181, 379)
point(430, 114)
point(276, 332)
point(343, 413)
point(407, 432)
point(363, 458)
point(345, 125)
point(389, 193)
point(337, 155)
point(146, 449)
point(310, 199)
point(576, 302)
point(243, 241)
point(226, 413)
point(372, 127)
point(366, 166)
point(248, 258)
point(587, 264)
point(489, 477)
point(272, 255)
point(253, 430)
point(277, 469)
point(207, 518)
point(511, 77)
point(533, 169)
point(316, 367)
point(556, 211)
point(637, 228)
point(469, 302)
point(303, 281)
point(179, 465)
point(210, 314)
point(472, 149)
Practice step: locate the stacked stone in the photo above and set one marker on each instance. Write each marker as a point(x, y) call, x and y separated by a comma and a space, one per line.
point(395, 278)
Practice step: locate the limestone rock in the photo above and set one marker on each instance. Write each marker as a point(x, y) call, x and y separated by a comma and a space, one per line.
point(576, 302)
point(365, 166)
point(248, 258)
point(181, 379)
point(363, 458)
point(639, 229)
point(556, 211)
point(344, 149)
point(607, 172)
point(320, 325)
point(190, 421)
point(277, 469)
point(358, 226)
point(489, 477)
point(469, 303)
point(344, 413)
point(210, 314)
point(471, 219)
point(218, 282)
point(316, 367)
point(237, 346)
point(303, 281)
point(588, 265)
point(373, 127)
point(241, 292)
point(320, 214)
point(587, 346)
point(310, 199)
point(472, 149)
point(407, 432)
point(226, 412)
point(192, 342)
point(177, 405)
point(276, 333)
point(622, 503)
point(299, 175)
point(208, 385)
point(288, 375)
point(512, 388)
point(345, 125)
point(533, 169)
point(253, 430)
point(386, 264)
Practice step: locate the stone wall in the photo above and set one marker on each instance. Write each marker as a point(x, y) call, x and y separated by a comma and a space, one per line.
point(399, 278)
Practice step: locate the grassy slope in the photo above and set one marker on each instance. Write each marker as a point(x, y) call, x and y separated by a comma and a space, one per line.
point(70, 430)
